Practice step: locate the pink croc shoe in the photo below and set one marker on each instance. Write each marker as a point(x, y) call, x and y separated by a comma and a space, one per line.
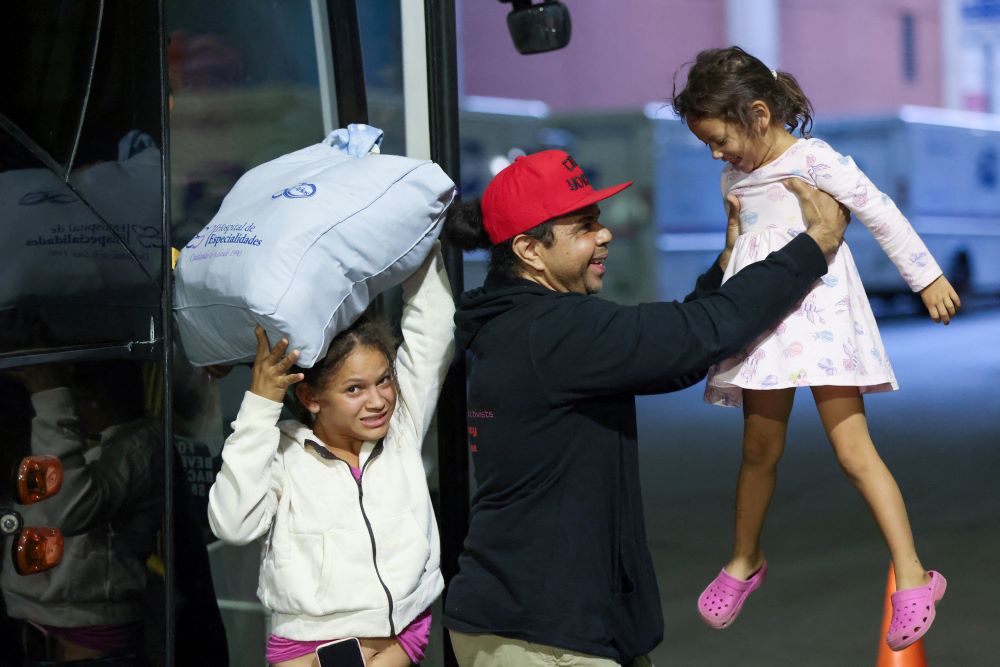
point(720, 603)
point(913, 611)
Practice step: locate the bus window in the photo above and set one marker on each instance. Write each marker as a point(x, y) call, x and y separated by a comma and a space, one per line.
point(245, 89)
point(80, 177)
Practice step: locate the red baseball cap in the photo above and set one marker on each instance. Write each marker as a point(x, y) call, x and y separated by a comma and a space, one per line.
point(536, 188)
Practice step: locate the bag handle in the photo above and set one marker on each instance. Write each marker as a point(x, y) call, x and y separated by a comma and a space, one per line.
point(356, 140)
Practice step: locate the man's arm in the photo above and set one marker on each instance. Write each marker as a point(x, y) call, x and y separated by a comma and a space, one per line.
point(592, 347)
point(816, 212)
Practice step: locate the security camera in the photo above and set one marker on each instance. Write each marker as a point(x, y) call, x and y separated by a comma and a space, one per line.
point(538, 28)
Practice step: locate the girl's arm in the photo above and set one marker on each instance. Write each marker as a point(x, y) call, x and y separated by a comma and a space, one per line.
point(128, 468)
point(55, 428)
point(732, 206)
point(428, 340)
point(244, 497)
point(838, 175)
point(98, 490)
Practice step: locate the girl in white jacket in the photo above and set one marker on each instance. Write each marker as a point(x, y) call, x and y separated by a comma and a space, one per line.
point(339, 498)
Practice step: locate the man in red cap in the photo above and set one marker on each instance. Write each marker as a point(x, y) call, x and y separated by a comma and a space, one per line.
point(555, 568)
point(550, 186)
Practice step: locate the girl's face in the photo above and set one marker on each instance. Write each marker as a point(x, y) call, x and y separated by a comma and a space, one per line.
point(357, 401)
point(732, 143)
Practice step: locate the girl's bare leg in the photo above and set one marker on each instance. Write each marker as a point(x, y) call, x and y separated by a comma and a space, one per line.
point(765, 422)
point(842, 412)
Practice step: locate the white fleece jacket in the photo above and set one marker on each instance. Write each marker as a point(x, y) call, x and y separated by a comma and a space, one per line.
point(342, 558)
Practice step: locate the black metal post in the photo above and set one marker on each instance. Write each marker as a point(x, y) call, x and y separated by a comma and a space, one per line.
point(348, 63)
point(166, 353)
point(453, 456)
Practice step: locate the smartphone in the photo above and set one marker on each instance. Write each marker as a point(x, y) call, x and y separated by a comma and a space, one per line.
point(341, 653)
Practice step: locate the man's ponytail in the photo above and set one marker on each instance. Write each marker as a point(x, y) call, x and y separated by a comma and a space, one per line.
point(463, 226)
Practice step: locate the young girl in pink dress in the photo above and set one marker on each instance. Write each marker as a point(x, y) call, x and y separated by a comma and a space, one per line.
point(745, 113)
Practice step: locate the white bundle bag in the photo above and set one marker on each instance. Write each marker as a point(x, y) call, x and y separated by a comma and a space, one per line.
point(303, 243)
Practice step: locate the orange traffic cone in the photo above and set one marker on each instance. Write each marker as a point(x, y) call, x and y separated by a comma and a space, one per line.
point(911, 656)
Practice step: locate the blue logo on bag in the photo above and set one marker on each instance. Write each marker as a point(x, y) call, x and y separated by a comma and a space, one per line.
point(299, 191)
point(45, 197)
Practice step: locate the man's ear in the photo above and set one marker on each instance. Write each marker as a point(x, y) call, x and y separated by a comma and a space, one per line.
point(527, 250)
point(761, 114)
point(307, 397)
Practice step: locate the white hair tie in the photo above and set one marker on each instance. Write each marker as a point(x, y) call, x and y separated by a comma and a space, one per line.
point(774, 74)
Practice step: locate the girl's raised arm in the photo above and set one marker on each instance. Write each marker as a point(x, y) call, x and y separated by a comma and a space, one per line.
point(428, 340)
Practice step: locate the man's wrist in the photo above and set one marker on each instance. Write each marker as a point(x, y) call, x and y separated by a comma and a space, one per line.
point(824, 238)
point(808, 255)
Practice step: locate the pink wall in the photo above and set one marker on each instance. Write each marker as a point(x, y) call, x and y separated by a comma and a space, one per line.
point(622, 54)
point(847, 54)
point(854, 61)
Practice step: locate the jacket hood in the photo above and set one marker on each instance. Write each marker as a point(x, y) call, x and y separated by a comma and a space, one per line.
point(479, 306)
point(296, 430)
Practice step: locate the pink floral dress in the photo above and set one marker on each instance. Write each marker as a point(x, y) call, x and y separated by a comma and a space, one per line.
point(831, 337)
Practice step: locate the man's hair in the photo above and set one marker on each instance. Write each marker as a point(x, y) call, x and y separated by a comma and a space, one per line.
point(463, 227)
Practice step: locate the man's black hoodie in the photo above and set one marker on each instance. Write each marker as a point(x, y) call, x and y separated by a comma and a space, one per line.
point(556, 552)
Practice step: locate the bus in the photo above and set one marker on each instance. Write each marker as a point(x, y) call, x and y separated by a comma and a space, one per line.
point(123, 125)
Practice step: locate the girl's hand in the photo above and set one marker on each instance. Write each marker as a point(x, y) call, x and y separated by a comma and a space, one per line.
point(941, 300)
point(732, 229)
point(269, 379)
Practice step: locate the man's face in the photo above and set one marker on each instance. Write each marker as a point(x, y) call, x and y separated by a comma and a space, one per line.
point(575, 260)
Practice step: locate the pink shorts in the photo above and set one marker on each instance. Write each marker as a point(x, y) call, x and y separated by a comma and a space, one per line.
point(413, 639)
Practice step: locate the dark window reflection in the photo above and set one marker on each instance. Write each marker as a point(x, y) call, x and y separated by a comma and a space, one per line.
point(73, 276)
point(382, 46)
point(49, 47)
point(80, 174)
point(94, 422)
point(83, 457)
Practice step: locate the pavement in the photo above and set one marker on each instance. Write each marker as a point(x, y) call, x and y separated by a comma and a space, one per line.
point(822, 603)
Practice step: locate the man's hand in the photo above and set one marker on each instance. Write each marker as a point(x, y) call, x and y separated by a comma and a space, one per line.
point(732, 229)
point(825, 218)
point(269, 379)
point(941, 300)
